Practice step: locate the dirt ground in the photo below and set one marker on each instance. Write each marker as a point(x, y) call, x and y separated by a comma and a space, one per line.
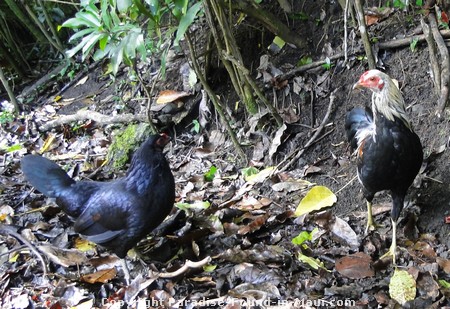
point(262, 259)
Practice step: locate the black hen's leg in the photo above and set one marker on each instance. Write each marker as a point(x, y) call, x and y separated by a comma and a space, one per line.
point(397, 206)
point(370, 222)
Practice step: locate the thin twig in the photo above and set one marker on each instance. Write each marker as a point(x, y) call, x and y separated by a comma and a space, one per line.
point(400, 43)
point(313, 138)
point(101, 119)
point(9, 230)
point(346, 185)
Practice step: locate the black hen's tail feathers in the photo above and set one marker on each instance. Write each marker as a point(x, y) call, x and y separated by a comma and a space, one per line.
point(45, 175)
point(357, 119)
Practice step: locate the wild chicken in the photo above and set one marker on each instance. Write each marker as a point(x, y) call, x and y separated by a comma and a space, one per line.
point(389, 153)
point(115, 214)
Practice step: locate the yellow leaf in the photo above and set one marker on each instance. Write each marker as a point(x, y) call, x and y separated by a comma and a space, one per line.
point(317, 198)
point(402, 287)
point(84, 244)
point(48, 142)
point(261, 176)
point(312, 262)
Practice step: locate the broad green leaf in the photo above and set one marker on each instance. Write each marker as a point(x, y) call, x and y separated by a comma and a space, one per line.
point(115, 19)
point(71, 52)
point(105, 15)
point(123, 5)
point(317, 198)
point(74, 23)
point(186, 21)
point(312, 262)
point(91, 19)
point(102, 42)
point(90, 44)
point(154, 6)
point(100, 54)
point(116, 57)
point(181, 5)
point(81, 33)
point(402, 287)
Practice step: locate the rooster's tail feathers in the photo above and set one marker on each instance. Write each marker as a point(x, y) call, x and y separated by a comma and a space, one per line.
point(45, 175)
point(357, 119)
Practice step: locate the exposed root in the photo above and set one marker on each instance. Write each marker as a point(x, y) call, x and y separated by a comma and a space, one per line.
point(188, 265)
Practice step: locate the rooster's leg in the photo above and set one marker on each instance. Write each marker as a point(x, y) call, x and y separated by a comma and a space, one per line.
point(393, 247)
point(371, 225)
point(126, 271)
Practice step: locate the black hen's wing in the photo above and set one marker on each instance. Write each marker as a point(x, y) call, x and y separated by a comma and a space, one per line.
point(391, 158)
point(357, 120)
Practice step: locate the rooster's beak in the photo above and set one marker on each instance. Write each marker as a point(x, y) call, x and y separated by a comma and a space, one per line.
point(358, 85)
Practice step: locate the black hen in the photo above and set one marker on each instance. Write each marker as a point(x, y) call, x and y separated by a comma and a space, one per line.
point(115, 214)
point(389, 153)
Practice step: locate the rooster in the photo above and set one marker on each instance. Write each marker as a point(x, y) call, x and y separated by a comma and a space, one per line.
point(389, 153)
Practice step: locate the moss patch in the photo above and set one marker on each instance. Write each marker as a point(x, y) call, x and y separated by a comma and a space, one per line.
point(125, 142)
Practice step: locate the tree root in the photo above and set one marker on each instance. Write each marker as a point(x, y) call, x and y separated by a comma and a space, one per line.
point(444, 66)
point(188, 265)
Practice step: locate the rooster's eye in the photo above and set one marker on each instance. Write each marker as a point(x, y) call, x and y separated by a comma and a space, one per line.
point(372, 79)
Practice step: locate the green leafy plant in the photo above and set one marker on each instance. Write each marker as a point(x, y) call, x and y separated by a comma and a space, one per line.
point(327, 65)
point(303, 237)
point(300, 16)
point(304, 60)
point(413, 45)
point(118, 37)
point(6, 117)
point(113, 29)
point(209, 175)
point(196, 126)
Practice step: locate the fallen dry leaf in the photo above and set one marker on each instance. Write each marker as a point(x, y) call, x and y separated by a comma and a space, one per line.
point(444, 264)
point(355, 266)
point(101, 276)
point(64, 257)
point(168, 96)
